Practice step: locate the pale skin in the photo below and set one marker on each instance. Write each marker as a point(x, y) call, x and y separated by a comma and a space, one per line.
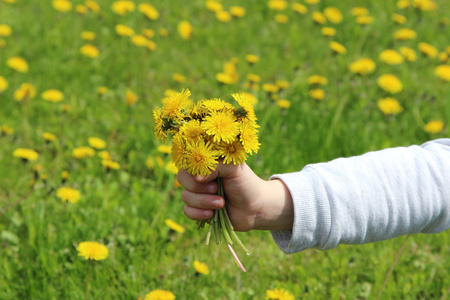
point(252, 203)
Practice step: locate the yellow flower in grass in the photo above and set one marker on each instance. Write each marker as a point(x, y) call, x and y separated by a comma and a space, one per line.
point(175, 226)
point(252, 58)
point(149, 11)
point(281, 18)
point(391, 57)
point(282, 84)
point(90, 51)
point(139, 40)
point(49, 137)
point(52, 96)
point(67, 194)
point(164, 149)
point(253, 77)
point(319, 18)
point(399, 19)
point(270, 88)
point(18, 64)
point(3, 84)
point(5, 30)
point(277, 4)
point(213, 5)
point(81, 9)
point(88, 35)
point(5, 129)
point(26, 154)
point(249, 137)
point(101, 90)
point(104, 155)
point(110, 164)
point(364, 20)
point(93, 6)
point(283, 103)
point(390, 83)
point(402, 4)
point(232, 153)
point(428, 50)
point(93, 251)
point(2, 43)
point(279, 294)
point(359, 11)
point(178, 77)
point(174, 104)
point(333, 15)
point(185, 30)
point(443, 56)
point(171, 168)
point(362, 66)
point(317, 79)
point(131, 98)
point(317, 94)
point(434, 126)
point(62, 5)
point(408, 53)
point(223, 16)
point(96, 143)
point(328, 31)
point(424, 5)
point(179, 150)
point(201, 159)
point(148, 33)
point(25, 92)
point(337, 48)
point(123, 7)
point(222, 126)
point(9, 1)
point(224, 78)
point(443, 72)
point(201, 268)
point(389, 106)
point(405, 34)
point(160, 295)
point(312, 2)
point(82, 152)
point(237, 11)
point(124, 30)
point(65, 175)
point(299, 8)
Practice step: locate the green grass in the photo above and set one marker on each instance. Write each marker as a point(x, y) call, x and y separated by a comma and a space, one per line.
point(126, 209)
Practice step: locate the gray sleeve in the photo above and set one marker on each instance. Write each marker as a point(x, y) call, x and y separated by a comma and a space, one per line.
point(368, 198)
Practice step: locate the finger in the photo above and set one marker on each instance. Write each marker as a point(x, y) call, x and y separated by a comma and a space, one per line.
point(222, 170)
point(203, 201)
point(190, 183)
point(197, 213)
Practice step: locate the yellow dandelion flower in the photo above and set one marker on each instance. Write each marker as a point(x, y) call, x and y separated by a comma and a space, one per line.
point(424, 5)
point(26, 154)
point(391, 57)
point(110, 164)
point(328, 31)
point(81, 9)
point(213, 5)
point(399, 19)
point(364, 20)
point(123, 7)
point(173, 105)
point(3, 84)
point(82, 152)
point(312, 2)
point(245, 110)
point(390, 83)
point(434, 126)
point(319, 18)
point(185, 30)
point(148, 33)
point(408, 53)
point(337, 48)
point(5, 30)
point(179, 150)
point(105, 155)
point(333, 15)
point(151, 46)
point(149, 11)
point(443, 72)
point(201, 268)
point(90, 51)
point(163, 32)
point(237, 11)
point(179, 77)
point(25, 92)
point(160, 295)
point(443, 56)
point(163, 149)
point(175, 226)
point(428, 50)
point(223, 16)
point(317, 94)
point(93, 6)
point(317, 79)
point(139, 40)
point(281, 18)
point(389, 106)
point(101, 90)
point(299, 8)
point(67, 194)
point(5, 129)
point(279, 294)
point(18, 64)
point(150, 163)
point(201, 159)
point(224, 78)
point(160, 125)
point(131, 98)
point(62, 5)
point(49, 137)
point(124, 30)
point(405, 34)
point(171, 168)
point(252, 58)
point(232, 153)
point(52, 96)
point(65, 175)
point(249, 137)
point(88, 35)
point(277, 4)
point(193, 130)
point(282, 84)
point(96, 143)
point(222, 126)
point(283, 103)
point(93, 251)
point(362, 66)
point(253, 77)
point(402, 4)
point(359, 11)
point(270, 88)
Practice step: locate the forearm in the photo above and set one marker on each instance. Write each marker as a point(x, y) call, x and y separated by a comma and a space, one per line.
point(368, 198)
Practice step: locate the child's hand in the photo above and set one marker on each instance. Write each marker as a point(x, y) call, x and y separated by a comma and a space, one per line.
point(252, 203)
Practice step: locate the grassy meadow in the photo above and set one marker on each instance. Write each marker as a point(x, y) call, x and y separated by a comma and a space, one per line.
point(69, 73)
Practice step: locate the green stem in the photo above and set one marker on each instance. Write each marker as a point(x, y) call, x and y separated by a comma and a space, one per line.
point(225, 229)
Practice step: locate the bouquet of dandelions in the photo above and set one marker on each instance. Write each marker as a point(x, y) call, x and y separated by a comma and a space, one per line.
point(204, 133)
